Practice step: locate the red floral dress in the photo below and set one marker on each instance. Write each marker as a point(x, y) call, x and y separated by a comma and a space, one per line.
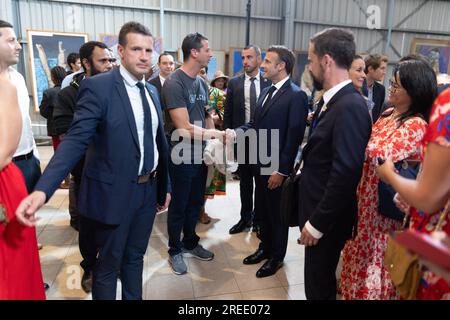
point(431, 286)
point(20, 269)
point(363, 273)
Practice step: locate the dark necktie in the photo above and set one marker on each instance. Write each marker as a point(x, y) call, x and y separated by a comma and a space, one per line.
point(148, 132)
point(317, 113)
point(252, 97)
point(269, 96)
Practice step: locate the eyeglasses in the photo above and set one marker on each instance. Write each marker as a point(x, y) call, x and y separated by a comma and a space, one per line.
point(394, 86)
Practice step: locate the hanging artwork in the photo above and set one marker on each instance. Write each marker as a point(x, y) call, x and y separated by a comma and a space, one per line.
point(47, 49)
point(437, 52)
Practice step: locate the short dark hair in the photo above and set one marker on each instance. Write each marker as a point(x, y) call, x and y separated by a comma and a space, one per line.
point(87, 49)
point(5, 24)
point(374, 61)
point(339, 44)
point(72, 58)
point(284, 55)
point(132, 27)
point(413, 56)
point(256, 48)
point(419, 80)
point(58, 74)
point(192, 41)
point(165, 53)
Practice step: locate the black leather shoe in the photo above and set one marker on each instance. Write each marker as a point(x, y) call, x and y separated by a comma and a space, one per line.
point(269, 268)
point(256, 257)
point(240, 226)
point(257, 229)
point(86, 282)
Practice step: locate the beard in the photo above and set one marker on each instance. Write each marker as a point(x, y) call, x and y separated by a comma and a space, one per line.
point(317, 83)
point(94, 71)
point(249, 69)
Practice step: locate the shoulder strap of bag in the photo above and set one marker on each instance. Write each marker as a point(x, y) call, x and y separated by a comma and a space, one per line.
point(442, 216)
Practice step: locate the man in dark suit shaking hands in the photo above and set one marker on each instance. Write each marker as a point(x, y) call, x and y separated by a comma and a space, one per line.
point(242, 94)
point(118, 124)
point(279, 124)
point(332, 161)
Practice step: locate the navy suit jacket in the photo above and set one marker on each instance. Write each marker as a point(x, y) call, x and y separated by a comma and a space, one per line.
point(286, 112)
point(234, 114)
point(105, 129)
point(332, 164)
point(379, 94)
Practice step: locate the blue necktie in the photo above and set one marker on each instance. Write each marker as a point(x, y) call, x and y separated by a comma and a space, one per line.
point(148, 132)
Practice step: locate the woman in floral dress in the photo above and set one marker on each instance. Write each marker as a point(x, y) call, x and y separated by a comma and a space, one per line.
point(397, 134)
point(430, 193)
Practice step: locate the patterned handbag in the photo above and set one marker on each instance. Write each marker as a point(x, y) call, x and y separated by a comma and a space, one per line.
point(403, 266)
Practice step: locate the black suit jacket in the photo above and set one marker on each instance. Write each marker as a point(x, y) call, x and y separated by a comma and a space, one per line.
point(234, 116)
point(157, 83)
point(379, 94)
point(286, 114)
point(332, 164)
point(47, 106)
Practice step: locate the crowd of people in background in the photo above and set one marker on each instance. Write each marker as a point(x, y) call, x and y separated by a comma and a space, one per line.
point(128, 138)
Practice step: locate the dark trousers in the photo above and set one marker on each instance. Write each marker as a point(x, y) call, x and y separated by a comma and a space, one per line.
point(274, 236)
point(188, 188)
point(321, 262)
point(74, 187)
point(31, 170)
point(122, 247)
point(248, 213)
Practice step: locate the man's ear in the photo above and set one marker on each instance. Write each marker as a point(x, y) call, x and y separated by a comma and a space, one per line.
point(85, 64)
point(120, 50)
point(327, 60)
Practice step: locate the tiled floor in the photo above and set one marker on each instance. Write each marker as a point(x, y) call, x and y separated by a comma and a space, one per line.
point(225, 277)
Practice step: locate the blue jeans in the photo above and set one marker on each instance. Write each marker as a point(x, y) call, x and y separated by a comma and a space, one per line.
point(188, 188)
point(31, 170)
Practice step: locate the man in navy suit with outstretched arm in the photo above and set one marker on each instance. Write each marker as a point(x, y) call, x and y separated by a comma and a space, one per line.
point(118, 124)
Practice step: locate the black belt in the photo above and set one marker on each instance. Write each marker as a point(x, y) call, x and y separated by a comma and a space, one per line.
point(23, 157)
point(146, 177)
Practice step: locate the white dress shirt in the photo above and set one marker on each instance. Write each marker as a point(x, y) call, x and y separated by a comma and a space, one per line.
point(134, 94)
point(68, 79)
point(326, 98)
point(278, 86)
point(247, 84)
point(26, 143)
point(162, 80)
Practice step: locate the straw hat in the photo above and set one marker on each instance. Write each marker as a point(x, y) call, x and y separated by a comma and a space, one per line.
point(217, 75)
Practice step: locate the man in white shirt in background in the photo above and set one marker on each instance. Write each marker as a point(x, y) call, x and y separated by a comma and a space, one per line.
point(26, 156)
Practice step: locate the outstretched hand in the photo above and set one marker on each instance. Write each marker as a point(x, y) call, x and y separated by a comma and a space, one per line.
point(26, 211)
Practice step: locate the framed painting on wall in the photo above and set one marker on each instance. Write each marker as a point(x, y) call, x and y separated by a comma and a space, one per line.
point(111, 41)
point(437, 52)
point(216, 63)
point(47, 49)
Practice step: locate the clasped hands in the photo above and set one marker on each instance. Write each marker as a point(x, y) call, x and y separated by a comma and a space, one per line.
point(226, 137)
